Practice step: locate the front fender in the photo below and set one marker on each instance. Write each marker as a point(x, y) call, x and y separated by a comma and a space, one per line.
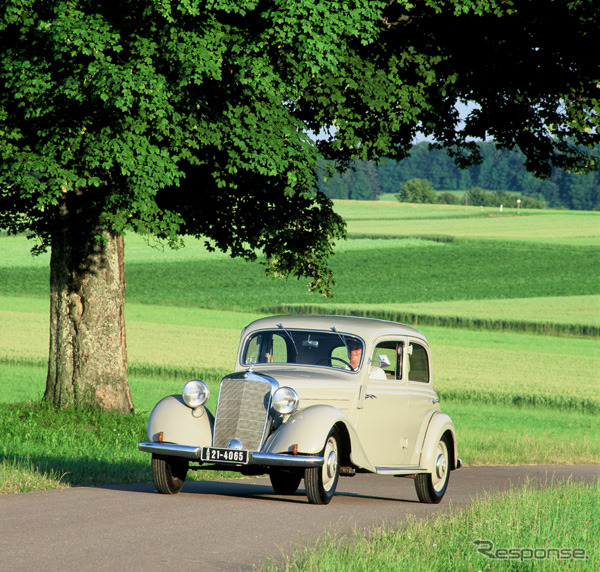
point(439, 425)
point(309, 428)
point(179, 423)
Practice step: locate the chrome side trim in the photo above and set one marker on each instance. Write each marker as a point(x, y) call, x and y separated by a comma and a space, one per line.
point(254, 458)
point(171, 449)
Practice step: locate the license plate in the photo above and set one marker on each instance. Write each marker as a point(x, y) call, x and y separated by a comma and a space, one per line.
point(216, 455)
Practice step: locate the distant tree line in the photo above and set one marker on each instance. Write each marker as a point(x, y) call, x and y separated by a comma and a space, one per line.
point(499, 170)
point(421, 191)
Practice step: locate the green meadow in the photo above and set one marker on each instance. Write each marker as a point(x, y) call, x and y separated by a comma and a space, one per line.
point(510, 305)
point(542, 227)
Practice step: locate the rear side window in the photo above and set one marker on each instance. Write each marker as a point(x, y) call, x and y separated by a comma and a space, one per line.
point(418, 364)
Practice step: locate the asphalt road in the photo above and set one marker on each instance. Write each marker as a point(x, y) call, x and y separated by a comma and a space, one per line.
point(218, 525)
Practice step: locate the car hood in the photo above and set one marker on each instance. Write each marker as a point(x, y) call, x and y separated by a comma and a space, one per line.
point(300, 374)
point(316, 386)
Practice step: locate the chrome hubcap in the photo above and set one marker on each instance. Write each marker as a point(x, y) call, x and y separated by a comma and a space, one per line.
point(441, 467)
point(330, 465)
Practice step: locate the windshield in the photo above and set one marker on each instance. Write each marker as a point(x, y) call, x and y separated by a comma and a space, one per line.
point(328, 349)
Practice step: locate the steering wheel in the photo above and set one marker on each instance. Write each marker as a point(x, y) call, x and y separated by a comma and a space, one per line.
point(337, 358)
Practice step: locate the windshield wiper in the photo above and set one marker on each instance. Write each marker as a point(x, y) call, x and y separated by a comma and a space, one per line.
point(280, 326)
point(343, 338)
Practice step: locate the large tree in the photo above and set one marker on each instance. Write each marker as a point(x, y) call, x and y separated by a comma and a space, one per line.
point(179, 117)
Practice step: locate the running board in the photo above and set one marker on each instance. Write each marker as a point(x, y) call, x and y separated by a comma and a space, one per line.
point(399, 470)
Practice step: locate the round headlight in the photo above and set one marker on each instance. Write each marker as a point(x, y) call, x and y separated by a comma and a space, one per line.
point(195, 393)
point(285, 400)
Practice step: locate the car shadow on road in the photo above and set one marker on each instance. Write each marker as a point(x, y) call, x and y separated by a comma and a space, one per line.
point(257, 489)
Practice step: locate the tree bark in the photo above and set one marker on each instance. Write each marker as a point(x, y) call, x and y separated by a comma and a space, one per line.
point(88, 359)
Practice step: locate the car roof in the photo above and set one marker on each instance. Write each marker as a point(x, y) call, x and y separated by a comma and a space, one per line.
point(366, 328)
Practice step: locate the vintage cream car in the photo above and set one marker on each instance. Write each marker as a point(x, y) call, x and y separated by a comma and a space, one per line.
point(313, 398)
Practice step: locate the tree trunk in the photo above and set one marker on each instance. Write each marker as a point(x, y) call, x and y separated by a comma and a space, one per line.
point(88, 360)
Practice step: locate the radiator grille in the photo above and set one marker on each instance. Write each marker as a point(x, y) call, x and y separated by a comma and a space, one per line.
point(242, 412)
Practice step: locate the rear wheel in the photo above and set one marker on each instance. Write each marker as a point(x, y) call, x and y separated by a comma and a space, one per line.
point(285, 482)
point(321, 482)
point(169, 473)
point(431, 487)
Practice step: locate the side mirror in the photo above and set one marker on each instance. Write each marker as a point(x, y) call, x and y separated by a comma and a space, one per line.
point(384, 361)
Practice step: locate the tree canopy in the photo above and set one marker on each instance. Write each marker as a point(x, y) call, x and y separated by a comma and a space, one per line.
point(417, 191)
point(180, 117)
point(117, 103)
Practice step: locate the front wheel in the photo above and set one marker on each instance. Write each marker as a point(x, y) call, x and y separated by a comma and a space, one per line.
point(169, 473)
point(431, 487)
point(321, 482)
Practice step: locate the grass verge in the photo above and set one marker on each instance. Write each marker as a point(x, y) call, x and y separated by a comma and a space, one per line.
point(46, 448)
point(553, 528)
point(69, 447)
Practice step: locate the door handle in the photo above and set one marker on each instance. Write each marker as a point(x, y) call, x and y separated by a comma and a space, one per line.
point(371, 396)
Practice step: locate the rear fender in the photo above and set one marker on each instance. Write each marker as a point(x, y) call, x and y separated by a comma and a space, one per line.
point(179, 423)
point(308, 429)
point(439, 425)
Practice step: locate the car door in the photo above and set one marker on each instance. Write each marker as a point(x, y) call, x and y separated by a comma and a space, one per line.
point(421, 400)
point(382, 406)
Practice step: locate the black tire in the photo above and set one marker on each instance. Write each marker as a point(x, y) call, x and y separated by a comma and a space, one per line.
point(321, 482)
point(169, 474)
point(431, 488)
point(285, 482)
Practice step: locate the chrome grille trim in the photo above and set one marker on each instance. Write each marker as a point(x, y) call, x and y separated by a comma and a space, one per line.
point(243, 410)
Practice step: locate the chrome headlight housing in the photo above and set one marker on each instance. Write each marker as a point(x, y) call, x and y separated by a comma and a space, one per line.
point(285, 400)
point(195, 393)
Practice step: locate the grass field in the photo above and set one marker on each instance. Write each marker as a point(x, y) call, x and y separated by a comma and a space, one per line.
point(469, 280)
point(565, 310)
point(366, 271)
point(541, 227)
point(167, 342)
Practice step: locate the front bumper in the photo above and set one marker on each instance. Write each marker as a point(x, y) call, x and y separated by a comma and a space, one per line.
point(254, 457)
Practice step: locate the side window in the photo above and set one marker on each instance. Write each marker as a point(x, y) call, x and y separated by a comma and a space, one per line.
point(390, 352)
point(418, 364)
